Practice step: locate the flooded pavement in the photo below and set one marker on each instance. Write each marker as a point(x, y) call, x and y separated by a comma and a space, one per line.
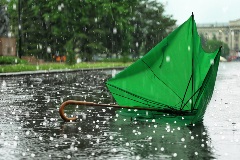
point(31, 128)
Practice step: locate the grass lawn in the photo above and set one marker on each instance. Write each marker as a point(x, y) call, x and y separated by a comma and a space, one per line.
point(60, 66)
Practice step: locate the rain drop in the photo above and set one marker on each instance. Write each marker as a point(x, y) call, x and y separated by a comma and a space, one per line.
point(59, 8)
point(89, 136)
point(48, 49)
point(114, 72)
point(114, 150)
point(174, 154)
point(27, 132)
point(137, 44)
point(167, 58)
point(14, 6)
point(211, 61)
point(114, 30)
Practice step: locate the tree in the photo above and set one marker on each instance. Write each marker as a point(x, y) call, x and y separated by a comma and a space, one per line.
point(214, 44)
point(117, 26)
point(93, 27)
point(71, 59)
point(4, 20)
point(151, 25)
point(35, 32)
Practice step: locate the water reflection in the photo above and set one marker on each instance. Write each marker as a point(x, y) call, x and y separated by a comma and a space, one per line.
point(31, 126)
point(165, 141)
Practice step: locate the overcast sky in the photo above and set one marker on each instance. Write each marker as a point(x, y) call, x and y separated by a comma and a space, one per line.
point(205, 11)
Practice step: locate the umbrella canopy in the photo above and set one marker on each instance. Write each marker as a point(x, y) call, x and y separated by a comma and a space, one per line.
point(177, 74)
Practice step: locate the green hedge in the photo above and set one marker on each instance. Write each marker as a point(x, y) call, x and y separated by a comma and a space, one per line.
point(4, 60)
point(123, 59)
point(60, 66)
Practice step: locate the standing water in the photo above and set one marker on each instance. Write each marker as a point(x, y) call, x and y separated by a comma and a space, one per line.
point(31, 128)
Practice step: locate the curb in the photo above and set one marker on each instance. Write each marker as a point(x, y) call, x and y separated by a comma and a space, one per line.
point(54, 71)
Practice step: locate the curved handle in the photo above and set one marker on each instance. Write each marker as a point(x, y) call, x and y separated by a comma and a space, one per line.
point(64, 104)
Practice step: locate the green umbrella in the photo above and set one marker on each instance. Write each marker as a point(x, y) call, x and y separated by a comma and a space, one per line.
point(177, 76)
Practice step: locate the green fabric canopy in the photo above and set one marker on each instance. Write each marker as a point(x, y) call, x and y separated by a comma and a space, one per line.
point(177, 75)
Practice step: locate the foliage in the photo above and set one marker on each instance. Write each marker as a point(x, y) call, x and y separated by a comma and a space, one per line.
point(3, 2)
point(150, 26)
point(60, 66)
point(4, 60)
point(120, 28)
point(122, 59)
point(214, 44)
point(71, 58)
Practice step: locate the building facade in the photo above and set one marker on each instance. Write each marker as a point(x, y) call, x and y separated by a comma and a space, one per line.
point(7, 46)
point(228, 33)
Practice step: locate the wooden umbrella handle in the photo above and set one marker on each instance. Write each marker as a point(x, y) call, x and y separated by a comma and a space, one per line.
point(64, 104)
point(83, 103)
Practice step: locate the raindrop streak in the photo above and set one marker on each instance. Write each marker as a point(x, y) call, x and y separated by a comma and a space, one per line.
point(114, 30)
point(167, 58)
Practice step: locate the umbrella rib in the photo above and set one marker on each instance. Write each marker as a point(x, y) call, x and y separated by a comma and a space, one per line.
point(190, 98)
point(142, 98)
point(161, 80)
point(186, 91)
point(144, 103)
